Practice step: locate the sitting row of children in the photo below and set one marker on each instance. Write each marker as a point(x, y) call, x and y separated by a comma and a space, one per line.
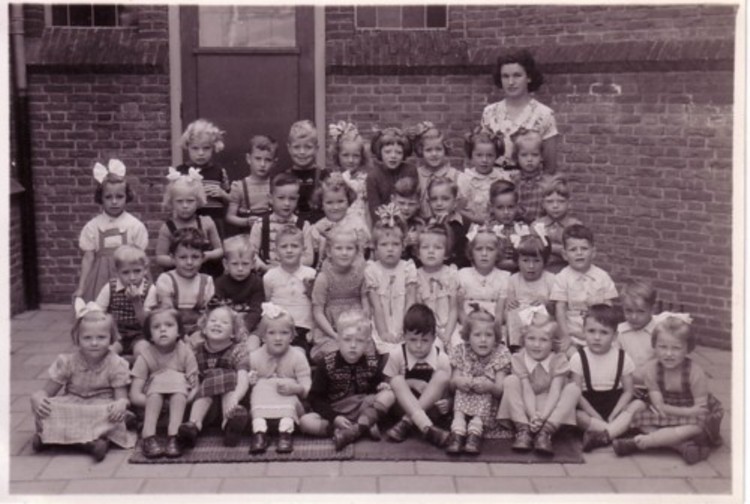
point(354, 387)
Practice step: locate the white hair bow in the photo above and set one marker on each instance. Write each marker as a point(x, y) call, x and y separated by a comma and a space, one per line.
point(83, 308)
point(192, 174)
point(387, 214)
point(527, 315)
point(271, 310)
point(521, 230)
point(684, 317)
point(114, 166)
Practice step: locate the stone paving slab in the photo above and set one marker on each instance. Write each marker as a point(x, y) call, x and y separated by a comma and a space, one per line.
point(304, 469)
point(81, 466)
point(228, 470)
point(104, 486)
point(604, 462)
point(27, 468)
point(37, 487)
point(669, 464)
point(260, 485)
point(651, 485)
point(572, 485)
point(182, 486)
point(711, 485)
point(452, 468)
point(494, 485)
point(416, 484)
point(367, 468)
point(541, 470)
point(339, 484)
point(153, 471)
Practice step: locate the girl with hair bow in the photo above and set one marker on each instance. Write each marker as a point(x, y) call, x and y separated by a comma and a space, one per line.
point(349, 153)
point(113, 227)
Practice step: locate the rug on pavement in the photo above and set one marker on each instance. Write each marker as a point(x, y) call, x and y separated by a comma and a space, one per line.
point(495, 448)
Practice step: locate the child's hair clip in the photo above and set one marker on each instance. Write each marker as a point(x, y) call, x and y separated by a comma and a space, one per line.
point(83, 308)
point(420, 129)
point(114, 167)
point(336, 178)
point(663, 316)
point(272, 311)
point(528, 315)
point(388, 213)
point(192, 174)
point(337, 130)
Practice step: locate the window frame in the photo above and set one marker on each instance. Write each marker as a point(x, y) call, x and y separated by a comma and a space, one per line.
point(48, 17)
point(401, 28)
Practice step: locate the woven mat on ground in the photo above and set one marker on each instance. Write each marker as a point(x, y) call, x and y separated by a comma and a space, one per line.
point(494, 448)
point(210, 448)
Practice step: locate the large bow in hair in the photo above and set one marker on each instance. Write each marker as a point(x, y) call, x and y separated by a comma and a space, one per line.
point(663, 316)
point(272, 311)
point(527, 315)
point(387, 214)
point(114, 166)
point(83, 308)
point(192, 174)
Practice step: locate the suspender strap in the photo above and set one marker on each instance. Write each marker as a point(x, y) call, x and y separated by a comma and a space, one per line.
point(686, 365)
point(245, 192)
point(265, 236)
point(199, 223)
point(170, 225)
point(406, 359)
point(176, 289)
point(620, 363)
point(586, 370)
point(199, 305)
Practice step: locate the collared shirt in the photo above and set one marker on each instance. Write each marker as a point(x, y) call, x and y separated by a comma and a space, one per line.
point(637, 344)
point(439, 361)
point(554, 365)
point(105, 295)
point(291, 290)
point(277, 222)
point(474, 190)
point(580, 290)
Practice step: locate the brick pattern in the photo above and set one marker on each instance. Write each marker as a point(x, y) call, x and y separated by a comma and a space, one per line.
point(651, 159)
point(77, 120)
point(17, 296)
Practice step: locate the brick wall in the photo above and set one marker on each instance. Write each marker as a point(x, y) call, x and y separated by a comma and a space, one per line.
point(648, 143)
point(17, 296)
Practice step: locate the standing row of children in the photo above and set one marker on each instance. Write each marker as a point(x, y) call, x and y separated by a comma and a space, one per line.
point(437, 330)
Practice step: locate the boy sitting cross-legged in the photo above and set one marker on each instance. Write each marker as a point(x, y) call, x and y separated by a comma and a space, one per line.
point(419, 375)
point(349, 393)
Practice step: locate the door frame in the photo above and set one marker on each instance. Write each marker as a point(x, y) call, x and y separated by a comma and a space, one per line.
point(312, 62)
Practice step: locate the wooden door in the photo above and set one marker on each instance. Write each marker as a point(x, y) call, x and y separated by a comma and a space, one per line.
point(250, 70)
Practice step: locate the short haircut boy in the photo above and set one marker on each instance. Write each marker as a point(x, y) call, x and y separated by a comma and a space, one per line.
point(641, 289)
point(420, 319)
point(190, 238)
point(284, 179)
point(578, 232)
point(406, 187)
point(129, 254)
point(263, 143)
point(606, 315)
point(238, 245)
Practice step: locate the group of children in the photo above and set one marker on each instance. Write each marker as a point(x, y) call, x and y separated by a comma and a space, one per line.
point(331, 300)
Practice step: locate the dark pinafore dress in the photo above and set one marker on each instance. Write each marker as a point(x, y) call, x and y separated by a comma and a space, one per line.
point(103, 268)
point(216, 373)
point(603, 401)
point(709, 420)
point(189, 316)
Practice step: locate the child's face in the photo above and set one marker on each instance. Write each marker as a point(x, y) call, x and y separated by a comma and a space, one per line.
point(637, 312)
point(504, 208)
point(238, 265)
point(131, 273)
point(432, 250)
point(670, 351)
point(555, 205)
point(393, 155)
point(579, 253)
point(335, 205)
point(433, 153)
point(514, 79)
point(442, 201)
point(388, 248)
point(342, 251)
point(184, 203)
point(598, 337)
point(187, 261)
point(94, 338)
point(289, 250)
point(407, 206)
point(302, 151)
point(482, 338)
point(484, 253)
point(284, 200)
point(419, 345)
point(219, 326)
point(538, 344)
point(483, 157)
point(531, 267)
point(164, 330)
point(260, 162)
point(200, 151)
point(114, 198)
point(353, 343)
point(530, 158)
point(350, 155)
point(278, 336)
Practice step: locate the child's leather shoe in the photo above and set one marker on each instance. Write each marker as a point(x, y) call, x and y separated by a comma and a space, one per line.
point(455, 444)
point(473, 444)
point(98, 448)
point(624, 446)
point(692, 452)
point(259, 442)
point(152, 447)
point(285, 444)
point(236, 422)
point(595, 439)
point(36, 443)
point(398, 432)
point(187, 434)
point(436, 436)
point(524, 441)
point(173, 449)
point(344, 437)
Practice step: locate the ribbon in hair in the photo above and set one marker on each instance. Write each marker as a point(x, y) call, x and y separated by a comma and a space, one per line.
point(663, 316)
point(387, 214)
point(83, 308)
point(272, 311)
point(420, 129)
point(336, 178)
point(521, 230)
point(337, 130)
point(527, 315)
point(114, 166)
point(192, 174)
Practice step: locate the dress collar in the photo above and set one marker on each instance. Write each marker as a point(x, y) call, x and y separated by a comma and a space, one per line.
point(531, 363)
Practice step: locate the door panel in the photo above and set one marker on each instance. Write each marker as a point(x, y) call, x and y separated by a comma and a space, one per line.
point(247, 78)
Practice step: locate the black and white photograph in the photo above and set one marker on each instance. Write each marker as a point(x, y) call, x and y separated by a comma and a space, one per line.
point(375, 248)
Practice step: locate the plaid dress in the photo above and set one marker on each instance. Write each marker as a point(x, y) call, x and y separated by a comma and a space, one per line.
point(217, 371)
point(121, 308)
point(709, 420)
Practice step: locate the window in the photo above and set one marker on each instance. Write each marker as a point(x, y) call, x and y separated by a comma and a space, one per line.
point(398, 17)
point(91, 15)
point(246, 26)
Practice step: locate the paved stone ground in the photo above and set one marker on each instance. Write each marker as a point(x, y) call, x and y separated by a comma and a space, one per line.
point(38, 336)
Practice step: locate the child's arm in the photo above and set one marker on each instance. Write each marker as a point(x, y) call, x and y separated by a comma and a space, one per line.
point(378, 315)
point(450, 325)
point(460, 302)
point(499, 315)
point(625, 398)
point(323, 323)
point(137, 396)
point(235, 220)
point(86, 262)
point(120, 405)
point(411, 296)
point(561, 315)
point(162, 256)
point(216, 252)
point(308, 252)
point(553, 396)
point(40, 404)
point(319, 293)
point(583, 403)
point(164, 292)
point(243, 384)
point(484, 385)
point(460, 381)
point(255, 239)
